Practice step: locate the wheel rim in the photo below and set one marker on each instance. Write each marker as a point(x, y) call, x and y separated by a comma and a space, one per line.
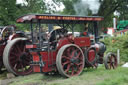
point(17, 58)
point(111, 61)
point(71, 60)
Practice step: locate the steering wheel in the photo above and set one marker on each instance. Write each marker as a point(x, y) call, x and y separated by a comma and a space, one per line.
point(55, 34)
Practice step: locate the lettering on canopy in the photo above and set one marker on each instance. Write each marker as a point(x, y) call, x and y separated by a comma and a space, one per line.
point(68, 18)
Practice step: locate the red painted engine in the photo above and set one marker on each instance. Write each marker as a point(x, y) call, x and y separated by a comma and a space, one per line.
point(62, 52)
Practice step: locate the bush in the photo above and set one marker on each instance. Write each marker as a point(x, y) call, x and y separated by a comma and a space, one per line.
point(119, 42)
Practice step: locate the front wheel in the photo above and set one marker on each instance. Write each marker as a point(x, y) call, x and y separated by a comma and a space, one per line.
point(70, 60)
point(110, 61)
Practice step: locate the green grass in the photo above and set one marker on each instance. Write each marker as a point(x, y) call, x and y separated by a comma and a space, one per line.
point(99, 76)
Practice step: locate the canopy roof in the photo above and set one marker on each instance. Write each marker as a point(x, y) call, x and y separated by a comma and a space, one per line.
point(50, 18)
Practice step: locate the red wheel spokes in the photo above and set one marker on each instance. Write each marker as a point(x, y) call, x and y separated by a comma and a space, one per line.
point(72, 73)
point(73, 54)
point(69, 51)
point(64, 57)
point(68, 67)
point(65, 63)
point(70, 60)
point(78, 55)
point(79, 64)
point(72, 68)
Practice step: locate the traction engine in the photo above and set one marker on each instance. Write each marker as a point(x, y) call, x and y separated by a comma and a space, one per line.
point(65, 53)
point(13, 54)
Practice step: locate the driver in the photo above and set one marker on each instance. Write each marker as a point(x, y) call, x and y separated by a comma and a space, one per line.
point(85, 33)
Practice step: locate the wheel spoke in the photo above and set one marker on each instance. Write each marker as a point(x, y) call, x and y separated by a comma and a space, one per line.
point(79, 64)
point(12, 58)
point(72, 48)
point(68, 51)
point(27, 59)
point(78, 55)
point(112, 62)
point(18, 49)
point(72, 54)
point(22, 67)
point(15, 66)
point(24, 48)
point(65, 63)
point(68, 67)
point(15, 54)
point(66, 57)
point(14, 61)
point(110, 65)
point(72, 70)
point(95, 65)
point(113, 65)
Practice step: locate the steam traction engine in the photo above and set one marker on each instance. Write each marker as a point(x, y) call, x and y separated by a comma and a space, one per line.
point(63, 52)
point(13, 54)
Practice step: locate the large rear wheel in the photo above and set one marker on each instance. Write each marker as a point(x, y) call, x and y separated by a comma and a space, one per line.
point(70, 60)
point(16, 57)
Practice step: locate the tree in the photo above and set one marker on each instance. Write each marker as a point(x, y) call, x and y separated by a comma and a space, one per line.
point(7, 11)
point(107, 9)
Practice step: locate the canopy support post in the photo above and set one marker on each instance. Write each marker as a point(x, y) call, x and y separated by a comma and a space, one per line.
point(96, 32)
point(31, 31)
point(40, 40)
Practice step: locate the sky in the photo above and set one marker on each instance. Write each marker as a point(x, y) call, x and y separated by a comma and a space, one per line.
point(47, 1)
point(57, 8)
point(20, 1)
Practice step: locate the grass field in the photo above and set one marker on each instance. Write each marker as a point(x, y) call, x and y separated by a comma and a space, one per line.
point(99, 76)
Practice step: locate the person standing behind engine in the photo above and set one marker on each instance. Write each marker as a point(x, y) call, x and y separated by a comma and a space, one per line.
point(85, 32)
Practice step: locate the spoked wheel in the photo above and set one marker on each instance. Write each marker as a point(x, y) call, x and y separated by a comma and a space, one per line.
point(110, 61)
point(16, 57)
point(91, 57)
point(70, 60)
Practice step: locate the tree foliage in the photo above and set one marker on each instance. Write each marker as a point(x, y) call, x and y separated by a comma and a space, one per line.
point(108, 7)
point(9, 10)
